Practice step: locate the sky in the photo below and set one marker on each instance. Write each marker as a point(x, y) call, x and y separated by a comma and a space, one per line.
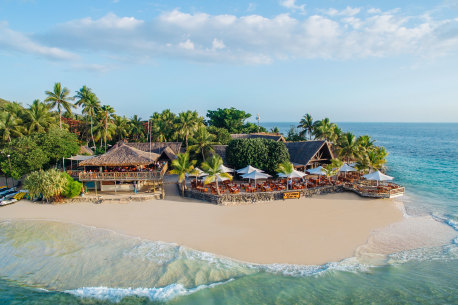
point(355, 61)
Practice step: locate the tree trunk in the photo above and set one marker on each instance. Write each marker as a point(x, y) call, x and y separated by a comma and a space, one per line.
point(186, 137)
point(183, 187)
point(92, 133)
point(60, 117)
point(217, 188)
point(106, 128)
point(203, 155)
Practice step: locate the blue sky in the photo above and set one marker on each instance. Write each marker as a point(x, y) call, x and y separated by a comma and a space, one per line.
point(346, 60)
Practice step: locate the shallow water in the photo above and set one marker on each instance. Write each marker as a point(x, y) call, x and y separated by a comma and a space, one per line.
point(55, 263)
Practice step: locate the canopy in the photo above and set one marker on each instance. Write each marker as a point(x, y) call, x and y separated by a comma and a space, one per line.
point(219, 178)
point(347, 168)
point(249, 169)
point(199, 173)
point(378, 176)
point(256, 175)
point(317, 171)
point(225, 169)
point(294, 174)
point(79, 158)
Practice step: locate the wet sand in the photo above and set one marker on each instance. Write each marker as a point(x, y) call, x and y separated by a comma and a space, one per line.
point(297, 231)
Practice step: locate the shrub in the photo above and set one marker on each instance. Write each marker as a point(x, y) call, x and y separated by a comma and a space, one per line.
point(51, 184)
point(261, 153)
point(73, 187)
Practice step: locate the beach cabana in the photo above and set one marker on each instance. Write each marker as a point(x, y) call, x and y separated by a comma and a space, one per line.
point(248, 169)
point(255, 175)
point(225, 169)
point(123, 155)
point(378, 176)
point(309, 154)
point(294, 174)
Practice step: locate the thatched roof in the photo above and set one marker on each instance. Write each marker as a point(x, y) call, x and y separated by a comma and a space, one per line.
point(263, 135)
point(85, 150)
point(123, 155)
point(302, 153)
point(156, 147)
point(168, 152)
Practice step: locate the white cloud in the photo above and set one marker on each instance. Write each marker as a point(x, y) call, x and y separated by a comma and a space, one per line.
point(188, 45)
point(250, 39)
point(16, 41)
point(291, 4)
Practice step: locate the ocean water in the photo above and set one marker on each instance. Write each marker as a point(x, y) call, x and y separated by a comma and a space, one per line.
point(56, 263)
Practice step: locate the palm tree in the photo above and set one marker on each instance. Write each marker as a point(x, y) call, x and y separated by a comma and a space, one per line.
point(158, 128)
point(187, 124)
point(91, 105)
point(182, 166)
point(333, 168)
point(274, 130)
point(38, 118)
point(122, 127)
point(374, 159)
point(306, 123)
point(324, 129)
point(285, 168)
point(10, 125)
point(59, 97)
point(203, 142)
point(348, 146)
point(213, 169)
point(365, 143)
point(137, 128)
point(106, 112)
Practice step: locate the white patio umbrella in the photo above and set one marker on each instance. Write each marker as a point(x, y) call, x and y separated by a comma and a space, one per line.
point(347, 168)
point(219, 178)
point(294, 174)
point(317, 171)
point(378, 176)
point(249, 169)
point(225, 169)
point(256, 175)
point(199, 173)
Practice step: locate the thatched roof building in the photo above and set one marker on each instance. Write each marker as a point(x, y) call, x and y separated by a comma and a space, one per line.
point(123, 155)
point(85, 151)
point(309, 154)
point(263, 135)
point(167, 150)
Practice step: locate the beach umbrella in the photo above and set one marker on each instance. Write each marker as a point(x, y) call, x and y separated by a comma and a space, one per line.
point(256, 175)
point(198, 173)
point(317, 171)
point(225, 169)
point(248, 169)
point(294, 174)
point(347, 168)
point(378, 176)
point(219, 178)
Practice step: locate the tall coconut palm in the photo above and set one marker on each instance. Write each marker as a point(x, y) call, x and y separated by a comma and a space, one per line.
point(91, 105)
point(372, 160)
point(285, 168)
point(348, 147)
point(333, 168)
point(306, 123)
point(10, 126)
point(106, 115)
point(324, 129)
point(159, 128)
point(187, 124)
point(203, 142)
point(181, 166)
point(122, 127)
point(275, 130)
point(213, 169)
point(38, 118)
point(137, 128)
point(365, 143)
point(59, 97)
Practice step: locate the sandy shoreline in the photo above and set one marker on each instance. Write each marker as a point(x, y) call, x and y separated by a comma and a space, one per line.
point(305, 231)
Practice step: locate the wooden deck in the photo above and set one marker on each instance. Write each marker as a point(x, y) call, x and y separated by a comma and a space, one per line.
point(119, 176)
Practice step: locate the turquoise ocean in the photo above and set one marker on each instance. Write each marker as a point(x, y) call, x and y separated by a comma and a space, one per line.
point(55, 263)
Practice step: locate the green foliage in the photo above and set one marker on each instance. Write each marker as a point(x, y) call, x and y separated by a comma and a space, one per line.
point(294, 135)
point(73, 188)
point(229, 118)
point(306, 124)
point(25, 156)
point(252, 128)
point(51, 184)
point(261, 153)
point(181, 166)
point(285, 168)
point(222, 135)
point(202, 142)
point(213, 168)
point(58, 144)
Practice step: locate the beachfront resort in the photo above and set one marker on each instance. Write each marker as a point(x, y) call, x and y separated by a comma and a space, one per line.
point(99, 156)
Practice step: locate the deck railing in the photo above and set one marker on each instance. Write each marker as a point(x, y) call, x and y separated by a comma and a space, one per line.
point(120, 176)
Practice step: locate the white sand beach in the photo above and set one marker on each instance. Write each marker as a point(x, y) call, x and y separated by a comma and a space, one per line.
point(297, 231)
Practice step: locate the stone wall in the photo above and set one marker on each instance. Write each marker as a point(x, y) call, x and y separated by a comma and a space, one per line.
point(235, 199)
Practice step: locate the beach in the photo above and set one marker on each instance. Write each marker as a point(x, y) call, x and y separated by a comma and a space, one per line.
point(306, 231)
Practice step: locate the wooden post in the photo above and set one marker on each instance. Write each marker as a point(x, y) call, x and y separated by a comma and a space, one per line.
point(115, 187)
point(95, 184)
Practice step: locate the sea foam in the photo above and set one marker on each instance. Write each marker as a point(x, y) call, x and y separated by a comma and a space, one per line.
point(154, 294)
